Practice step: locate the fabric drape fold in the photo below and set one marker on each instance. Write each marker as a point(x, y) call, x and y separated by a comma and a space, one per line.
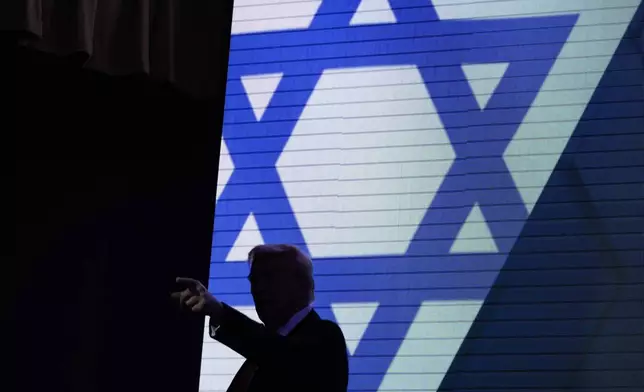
point(166, 39)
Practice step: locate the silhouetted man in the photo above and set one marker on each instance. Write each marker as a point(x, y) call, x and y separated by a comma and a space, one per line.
point(294, 350)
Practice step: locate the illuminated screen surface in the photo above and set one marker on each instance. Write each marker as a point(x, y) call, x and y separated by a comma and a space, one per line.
point(403, 145)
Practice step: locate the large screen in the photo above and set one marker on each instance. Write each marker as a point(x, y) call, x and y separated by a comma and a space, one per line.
point(402, 145)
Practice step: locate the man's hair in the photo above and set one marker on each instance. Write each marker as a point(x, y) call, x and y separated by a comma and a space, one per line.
point(289, 253)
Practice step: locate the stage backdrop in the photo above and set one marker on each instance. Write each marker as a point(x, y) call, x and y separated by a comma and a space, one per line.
point(466, 174)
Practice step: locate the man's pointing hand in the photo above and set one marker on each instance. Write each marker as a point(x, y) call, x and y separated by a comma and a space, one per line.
point(196, 297)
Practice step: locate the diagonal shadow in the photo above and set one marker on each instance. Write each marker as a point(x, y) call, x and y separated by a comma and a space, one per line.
point(565, 312)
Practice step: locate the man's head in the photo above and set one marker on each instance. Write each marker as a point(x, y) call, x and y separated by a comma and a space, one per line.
point(281, 282)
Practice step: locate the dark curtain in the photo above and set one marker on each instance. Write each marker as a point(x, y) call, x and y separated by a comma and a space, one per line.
point(177, 41)
point(114, 185)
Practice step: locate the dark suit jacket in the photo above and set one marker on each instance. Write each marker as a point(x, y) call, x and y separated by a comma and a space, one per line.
point(313, 357)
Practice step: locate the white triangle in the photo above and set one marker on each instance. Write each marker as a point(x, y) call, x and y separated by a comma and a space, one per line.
point(484, 79)
point(430, 345)
point(474, 236)
point(373, 12)
point(259, 90)
point(226, 168)
point(248, 237)
point(353, 319)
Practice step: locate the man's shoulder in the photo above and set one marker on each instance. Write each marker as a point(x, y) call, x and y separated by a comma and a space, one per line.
point(327, 330)
point(313, 323)
point(331, 328)
point(334, 349)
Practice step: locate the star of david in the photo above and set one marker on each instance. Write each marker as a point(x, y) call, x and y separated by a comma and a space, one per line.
point(426, 271)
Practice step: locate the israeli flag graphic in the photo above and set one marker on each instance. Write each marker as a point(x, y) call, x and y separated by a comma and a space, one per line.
point(402, 144)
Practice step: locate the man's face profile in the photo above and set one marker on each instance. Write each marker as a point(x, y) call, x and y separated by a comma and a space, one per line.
point(276, 288)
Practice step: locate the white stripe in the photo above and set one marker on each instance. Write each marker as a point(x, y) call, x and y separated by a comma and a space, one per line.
point(258, 16)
